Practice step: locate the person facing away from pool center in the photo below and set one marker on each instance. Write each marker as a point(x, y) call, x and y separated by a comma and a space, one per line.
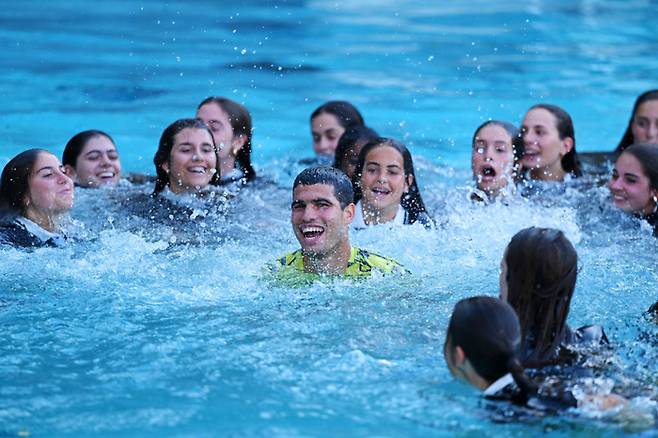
point(231, 127)
point(634, 182)
point(481, 348)
point(549, 143)
point(186, 159)
point(35, 194)
point(91, 159)
point(643, 125)
point(497, 148)
point(349, 148)
point(328, 122)
point(386, 188)
point(322, 209)
point(538, 279)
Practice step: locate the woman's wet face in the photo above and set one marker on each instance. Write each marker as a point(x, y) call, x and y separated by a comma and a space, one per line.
point(630, 187)
point(50, 190)
point(544, 148)
point(383, 181)
point(645, 123)
point(492, 160)
point(326, 131)
point(192, 160)
point(222, 131)
point(98, 163)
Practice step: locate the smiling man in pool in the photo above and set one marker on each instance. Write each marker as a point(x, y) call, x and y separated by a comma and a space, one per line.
point(321, 212)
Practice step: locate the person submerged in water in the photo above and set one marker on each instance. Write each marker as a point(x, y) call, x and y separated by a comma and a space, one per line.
point(35, 194)
point(321, 212)
point(482, 348)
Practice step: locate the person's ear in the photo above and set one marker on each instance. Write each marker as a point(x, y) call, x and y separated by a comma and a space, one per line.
point(567, 145)
point(409, 180)
point(237, 144)
point(70, 171)
point(348, 213)
point(460, 357)
point(165, 166)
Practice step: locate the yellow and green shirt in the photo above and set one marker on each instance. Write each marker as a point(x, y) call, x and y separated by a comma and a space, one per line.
point(362, 263)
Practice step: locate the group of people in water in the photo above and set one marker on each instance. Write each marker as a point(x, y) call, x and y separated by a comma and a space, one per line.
point(489, 341)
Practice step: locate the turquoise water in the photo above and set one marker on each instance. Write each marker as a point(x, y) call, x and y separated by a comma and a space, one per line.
point(135, 332)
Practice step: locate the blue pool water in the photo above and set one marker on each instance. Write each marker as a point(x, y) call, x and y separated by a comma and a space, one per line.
point(135, 333)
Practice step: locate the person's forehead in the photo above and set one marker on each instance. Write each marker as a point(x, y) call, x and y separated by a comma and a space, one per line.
point(314, 191)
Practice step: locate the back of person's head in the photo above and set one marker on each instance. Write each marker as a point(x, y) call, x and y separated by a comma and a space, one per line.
point(167, 141)
point(14, 182)
point(77, 143)
point(352, 136)
point(564, 125)
point(240, 120)
point(647, 155)
point(542, 266)
point(412, 202)
point(329, 176)
point(345, 112)
point(628, 138)
point(487, 330)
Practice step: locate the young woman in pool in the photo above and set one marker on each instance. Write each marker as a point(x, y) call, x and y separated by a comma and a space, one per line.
point(497, 146)
point(91, 159)
point(349, 147)
point(34, 194)
point(186, 159)
point(230, 124)
point(549, 144)
point(329, 121)
point(482, 348)
point(634, 182)
point(538, 278)
point(385, 186)
point(643, 126)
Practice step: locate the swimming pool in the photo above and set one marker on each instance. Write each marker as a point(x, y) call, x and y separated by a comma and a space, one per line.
point(134, 333)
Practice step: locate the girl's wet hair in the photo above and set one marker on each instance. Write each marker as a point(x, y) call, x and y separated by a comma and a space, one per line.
point(564, 125)
point(167, 143)
point(15, 181)
point(343, 190)
point(352, 135)
point(647, 155)
point(345, 112)
point(487, 330)
point(542, 266)
point(411, 201)
point(240, 120)
point(76, 144)
point(513, 131)
point(628, 139)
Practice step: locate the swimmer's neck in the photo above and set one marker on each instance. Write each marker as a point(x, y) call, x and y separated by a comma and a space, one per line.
point(373, 215)
point(549, 173)
point(44, 220)
point(226, 166)
point(333, 262)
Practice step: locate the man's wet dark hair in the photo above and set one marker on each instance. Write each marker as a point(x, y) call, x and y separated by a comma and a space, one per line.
point(329, 176)
point(564, 125)
point(628, 139)
point(487, 330)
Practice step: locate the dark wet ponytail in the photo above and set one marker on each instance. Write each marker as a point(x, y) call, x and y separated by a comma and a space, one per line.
point(488, 332)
